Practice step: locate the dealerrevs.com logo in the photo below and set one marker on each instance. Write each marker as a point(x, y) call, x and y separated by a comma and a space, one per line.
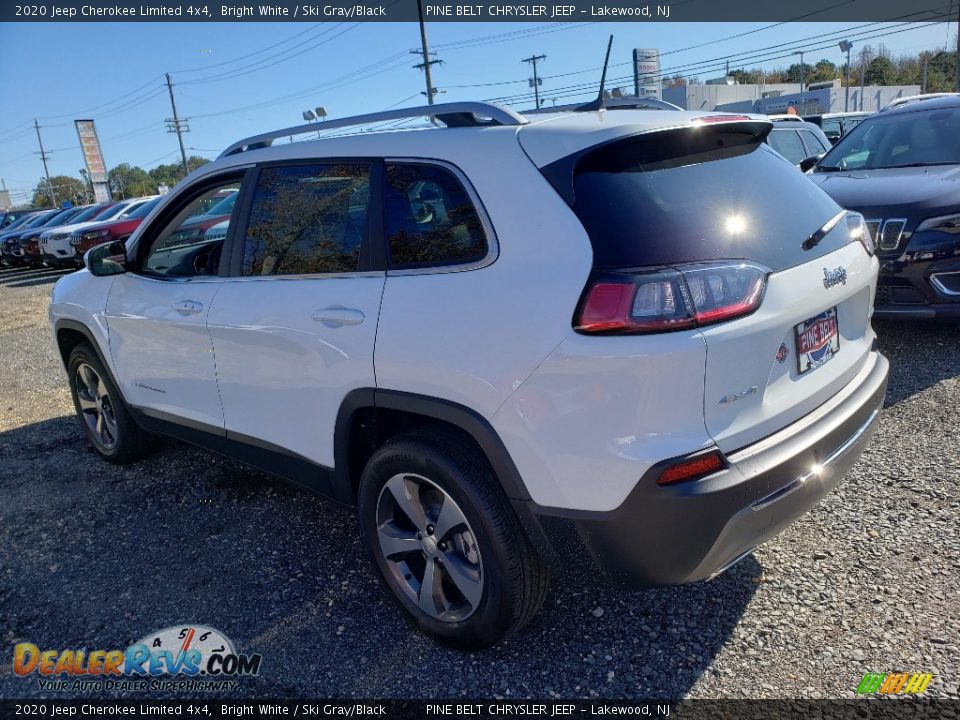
point(188, 657)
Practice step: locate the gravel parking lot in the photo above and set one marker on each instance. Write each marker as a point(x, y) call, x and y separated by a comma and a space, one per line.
point(97, 556)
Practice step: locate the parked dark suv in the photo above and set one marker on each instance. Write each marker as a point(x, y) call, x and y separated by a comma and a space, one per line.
point(900, 168)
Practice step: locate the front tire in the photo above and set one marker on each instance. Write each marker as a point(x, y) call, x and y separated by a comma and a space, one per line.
point(103, 414)
point(447, 544)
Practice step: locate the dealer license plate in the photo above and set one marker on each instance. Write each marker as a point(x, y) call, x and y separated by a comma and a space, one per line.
point(817, 340)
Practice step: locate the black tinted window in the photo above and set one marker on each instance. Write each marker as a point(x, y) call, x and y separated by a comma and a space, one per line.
point(307, 219)
point(687, 196)
point(431, 219)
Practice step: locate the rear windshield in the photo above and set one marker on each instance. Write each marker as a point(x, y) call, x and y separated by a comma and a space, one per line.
point(697, 194)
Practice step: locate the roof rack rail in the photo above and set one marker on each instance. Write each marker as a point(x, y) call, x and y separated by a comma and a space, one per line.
point(457, 114)
point(780, 117)
point(622, 103)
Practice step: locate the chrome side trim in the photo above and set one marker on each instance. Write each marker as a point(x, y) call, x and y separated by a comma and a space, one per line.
point(940, 287)
point(800, 481)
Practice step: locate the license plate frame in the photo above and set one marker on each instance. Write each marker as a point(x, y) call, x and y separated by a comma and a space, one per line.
point(817, 340)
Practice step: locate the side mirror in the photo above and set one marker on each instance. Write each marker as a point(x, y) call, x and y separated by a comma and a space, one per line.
point(810, 163)
point(107, 259)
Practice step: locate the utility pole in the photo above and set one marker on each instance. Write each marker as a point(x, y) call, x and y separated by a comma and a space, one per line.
point(864, 54)
point(923, 87)
point(43, 156)
point(958, 48)
point(175, 124)
point(425, 51)
point(535, 82)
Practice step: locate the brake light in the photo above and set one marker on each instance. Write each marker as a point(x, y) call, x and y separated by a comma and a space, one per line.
point(691, 468)
point(711, 119)
point(671, 298)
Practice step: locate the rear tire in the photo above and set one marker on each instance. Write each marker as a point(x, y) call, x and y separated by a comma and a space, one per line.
point(103, 414)
point(433, 517)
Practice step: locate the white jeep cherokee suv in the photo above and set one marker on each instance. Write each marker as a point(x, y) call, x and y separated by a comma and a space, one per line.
point(637, 341)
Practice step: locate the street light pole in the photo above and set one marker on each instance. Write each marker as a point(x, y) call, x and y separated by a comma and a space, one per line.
point(846, 46)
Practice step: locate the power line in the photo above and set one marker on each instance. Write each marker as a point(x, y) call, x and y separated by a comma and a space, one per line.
point(757, 55)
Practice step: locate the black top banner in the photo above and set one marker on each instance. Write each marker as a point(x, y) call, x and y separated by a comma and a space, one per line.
point(467, 11)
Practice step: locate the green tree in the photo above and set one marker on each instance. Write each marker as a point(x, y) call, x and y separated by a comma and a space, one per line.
point(66, 188)
point(823, 71)
point(172, 173)
point(130, 181)
point(881, 71)
point(792, 75)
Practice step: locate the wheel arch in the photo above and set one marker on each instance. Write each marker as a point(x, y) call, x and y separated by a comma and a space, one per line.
point(368, 417)
point(69, 334)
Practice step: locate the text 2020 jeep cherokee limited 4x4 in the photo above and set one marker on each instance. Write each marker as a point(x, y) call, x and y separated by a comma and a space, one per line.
point(638, 338)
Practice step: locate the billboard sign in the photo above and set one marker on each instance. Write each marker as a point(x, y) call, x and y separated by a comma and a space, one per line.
point(646, 72)
point(93, 157)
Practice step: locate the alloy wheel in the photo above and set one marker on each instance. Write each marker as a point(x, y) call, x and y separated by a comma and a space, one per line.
point(430, 548)
point(96, 407)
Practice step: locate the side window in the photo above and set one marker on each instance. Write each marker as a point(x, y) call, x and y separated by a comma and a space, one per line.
point(431, 219)
point(813, 144)
point(192, 242)
point(787, 143)
point(307, 219)
point(832, 129)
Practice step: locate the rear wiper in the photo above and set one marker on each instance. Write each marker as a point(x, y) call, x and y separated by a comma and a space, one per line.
point(812, 241)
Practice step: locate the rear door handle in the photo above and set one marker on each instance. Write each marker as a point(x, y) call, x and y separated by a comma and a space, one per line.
point(335, 317)
point(188, 307)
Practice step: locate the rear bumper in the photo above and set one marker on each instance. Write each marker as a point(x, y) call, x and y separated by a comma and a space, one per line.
point(691, 531)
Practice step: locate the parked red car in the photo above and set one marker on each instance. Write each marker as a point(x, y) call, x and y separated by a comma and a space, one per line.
point(100, 233)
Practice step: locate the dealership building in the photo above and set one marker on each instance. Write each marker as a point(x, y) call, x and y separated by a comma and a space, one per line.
point(772, 98)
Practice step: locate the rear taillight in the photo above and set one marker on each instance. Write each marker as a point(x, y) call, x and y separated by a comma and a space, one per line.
point(692, 468)
point(673, 298)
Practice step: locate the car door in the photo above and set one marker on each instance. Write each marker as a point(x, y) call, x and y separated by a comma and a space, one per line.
point(294, 326)
point(157, 313)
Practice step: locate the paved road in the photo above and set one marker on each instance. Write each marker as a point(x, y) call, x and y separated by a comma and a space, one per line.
point(98, 556)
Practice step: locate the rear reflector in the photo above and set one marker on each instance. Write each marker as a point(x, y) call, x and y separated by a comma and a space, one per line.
point(672, 298)
point(692, 468)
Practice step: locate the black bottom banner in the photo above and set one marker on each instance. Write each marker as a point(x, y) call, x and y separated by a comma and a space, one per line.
point(877, 709)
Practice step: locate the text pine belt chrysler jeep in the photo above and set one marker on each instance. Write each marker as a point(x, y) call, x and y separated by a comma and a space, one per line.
point(636, 338)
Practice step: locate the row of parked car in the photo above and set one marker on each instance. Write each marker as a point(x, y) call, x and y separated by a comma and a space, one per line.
point(58, 238)
point(899, 167)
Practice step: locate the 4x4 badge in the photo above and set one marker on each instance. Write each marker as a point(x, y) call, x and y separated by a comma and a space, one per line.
point(837, 276)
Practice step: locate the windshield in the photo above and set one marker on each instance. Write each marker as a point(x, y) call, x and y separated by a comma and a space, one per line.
point(40, 219)
point(87, 214)
point(143, 210)
point(61, 217)
point(928, 137)
point(22, 220)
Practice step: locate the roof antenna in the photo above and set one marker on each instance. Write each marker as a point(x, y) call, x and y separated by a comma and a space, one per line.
point(599, 103)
